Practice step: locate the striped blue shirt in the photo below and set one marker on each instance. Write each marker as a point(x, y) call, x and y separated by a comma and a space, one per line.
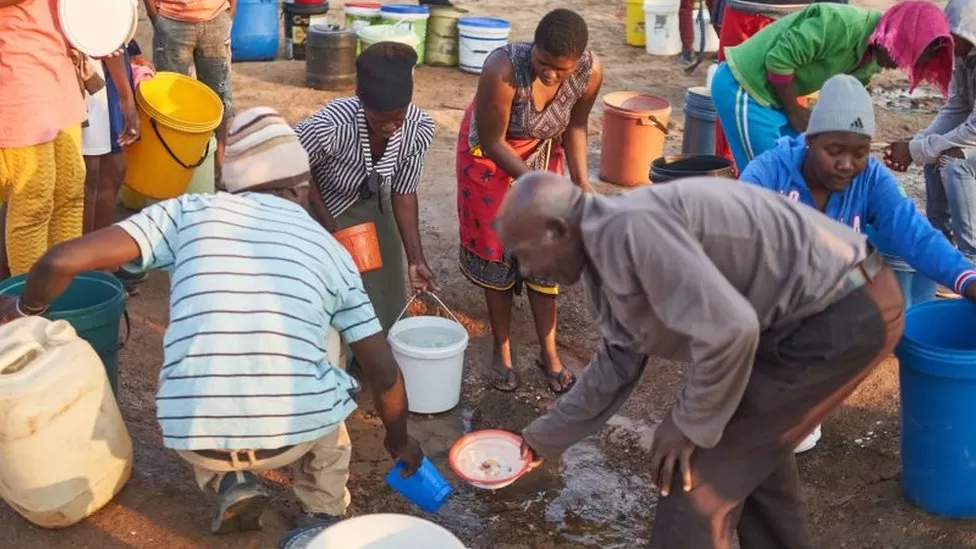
point(255, 284)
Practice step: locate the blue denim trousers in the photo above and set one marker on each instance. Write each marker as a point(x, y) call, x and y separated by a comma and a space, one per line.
point(950, 202)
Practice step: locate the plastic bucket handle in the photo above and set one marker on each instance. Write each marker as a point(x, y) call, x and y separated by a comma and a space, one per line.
point(195, 165)
point(652, 120)
point(431, 294)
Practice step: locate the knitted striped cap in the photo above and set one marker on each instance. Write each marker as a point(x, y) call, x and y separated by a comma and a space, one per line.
point(263, 153)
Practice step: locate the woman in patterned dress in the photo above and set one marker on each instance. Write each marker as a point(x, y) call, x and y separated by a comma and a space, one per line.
point(530, 113)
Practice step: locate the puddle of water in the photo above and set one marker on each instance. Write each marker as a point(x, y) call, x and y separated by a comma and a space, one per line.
point(584, 499)
point(599, 505)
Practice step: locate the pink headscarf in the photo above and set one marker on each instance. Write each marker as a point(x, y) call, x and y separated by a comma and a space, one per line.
point(906, 30)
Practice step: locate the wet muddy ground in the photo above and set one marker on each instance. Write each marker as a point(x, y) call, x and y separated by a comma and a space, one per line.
point(598, 495)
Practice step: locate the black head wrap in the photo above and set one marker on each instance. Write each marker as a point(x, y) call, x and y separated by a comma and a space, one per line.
point(384, 73)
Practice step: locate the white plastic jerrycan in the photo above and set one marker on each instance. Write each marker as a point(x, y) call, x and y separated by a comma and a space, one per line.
point(64, 450)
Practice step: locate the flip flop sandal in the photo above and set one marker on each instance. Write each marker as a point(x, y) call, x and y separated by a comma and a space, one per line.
point(506, 380)
point(559, 377)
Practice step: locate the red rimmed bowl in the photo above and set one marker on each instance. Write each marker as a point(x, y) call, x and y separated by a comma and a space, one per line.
point(490, 459)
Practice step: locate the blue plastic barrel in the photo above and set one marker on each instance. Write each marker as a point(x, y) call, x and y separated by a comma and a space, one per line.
point(254, 36)
point(937, 358)
point(915, 287)
point(94, 304)
point(699, 134)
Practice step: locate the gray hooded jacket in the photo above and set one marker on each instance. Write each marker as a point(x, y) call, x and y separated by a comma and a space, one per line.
point(955, 125)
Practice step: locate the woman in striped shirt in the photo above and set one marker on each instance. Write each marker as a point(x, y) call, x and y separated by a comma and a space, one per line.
point(367, 154)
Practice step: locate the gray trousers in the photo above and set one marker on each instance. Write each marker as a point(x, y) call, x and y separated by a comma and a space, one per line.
point(749, 483)
point(205, 46)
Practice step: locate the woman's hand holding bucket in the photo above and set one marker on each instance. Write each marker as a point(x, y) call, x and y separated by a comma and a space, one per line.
point(422, 278)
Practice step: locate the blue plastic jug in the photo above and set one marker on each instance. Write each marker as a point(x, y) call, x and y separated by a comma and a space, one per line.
point(426, 488)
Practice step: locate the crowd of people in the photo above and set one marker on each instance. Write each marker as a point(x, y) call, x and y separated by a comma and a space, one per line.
point(775, 297)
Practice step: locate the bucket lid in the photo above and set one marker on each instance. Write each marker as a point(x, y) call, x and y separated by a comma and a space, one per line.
point(406, 9)
point(135, 23)
point(96, 27)
point(636, 102)
point(364, 5)
point(485, 22)
point(700, 91)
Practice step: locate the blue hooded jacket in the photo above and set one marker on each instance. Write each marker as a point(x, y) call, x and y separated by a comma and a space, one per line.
point(874, 198)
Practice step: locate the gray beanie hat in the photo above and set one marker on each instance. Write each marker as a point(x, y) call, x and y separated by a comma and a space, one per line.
point(844, 106)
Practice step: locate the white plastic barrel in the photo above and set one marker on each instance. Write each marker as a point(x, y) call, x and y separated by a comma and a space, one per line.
point(383, 531)
point(661, 27)
point(478, 37)
point(711, 39)
point(430, 353)
point(64, 449)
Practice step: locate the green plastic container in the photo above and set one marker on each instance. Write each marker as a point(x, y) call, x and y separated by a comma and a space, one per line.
point(94, 303)
point(409, 16)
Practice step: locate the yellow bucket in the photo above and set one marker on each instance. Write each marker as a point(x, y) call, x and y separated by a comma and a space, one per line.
point(201, 183)
point(635, 23)
point(178, 116)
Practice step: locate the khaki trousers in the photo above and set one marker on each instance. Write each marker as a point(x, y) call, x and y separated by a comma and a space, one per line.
point(320, 467)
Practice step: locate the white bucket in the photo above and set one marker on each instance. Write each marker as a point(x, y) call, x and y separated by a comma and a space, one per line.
point(478, 37)
point(711, 39)
point(387, 33)
point(661, 27)
point(430, 353)
point(383, 531)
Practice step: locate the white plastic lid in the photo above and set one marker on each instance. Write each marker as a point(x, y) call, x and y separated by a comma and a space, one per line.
point(96, 27)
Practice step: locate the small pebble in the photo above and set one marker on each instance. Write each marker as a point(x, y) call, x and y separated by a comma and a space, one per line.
point(858, 440)
point(870, 433)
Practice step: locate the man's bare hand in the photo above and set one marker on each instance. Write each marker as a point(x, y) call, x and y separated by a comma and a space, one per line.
point(529, 454)
point(671, 453)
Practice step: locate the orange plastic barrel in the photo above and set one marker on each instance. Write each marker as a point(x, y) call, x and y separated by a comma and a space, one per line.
point(635, 127)
point(363, 245)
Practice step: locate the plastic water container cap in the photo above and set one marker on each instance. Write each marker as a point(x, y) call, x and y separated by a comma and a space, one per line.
point(485, 22)
point(96, 27)
point(406, 9)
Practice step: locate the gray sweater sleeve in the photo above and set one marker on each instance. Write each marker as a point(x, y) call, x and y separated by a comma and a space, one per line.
point(602, 389)
point(695, 302)
point(953, 126)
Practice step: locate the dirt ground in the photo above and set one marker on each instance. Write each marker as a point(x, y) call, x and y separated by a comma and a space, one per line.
point(599, 495)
